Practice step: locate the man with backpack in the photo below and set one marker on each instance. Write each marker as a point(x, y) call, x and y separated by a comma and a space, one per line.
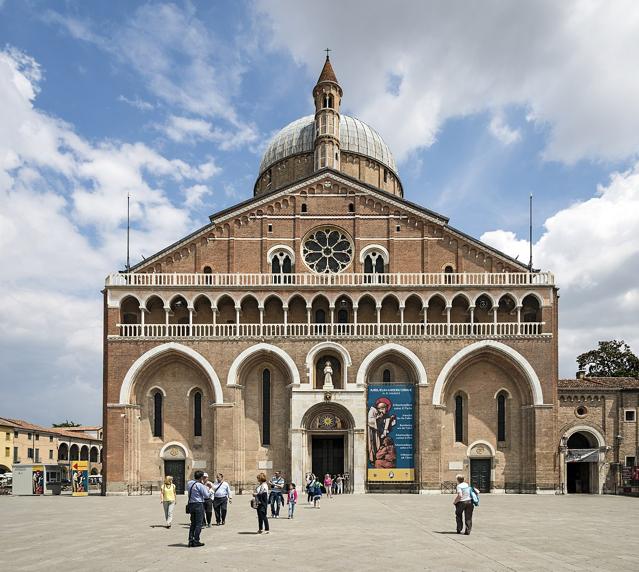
point(466, 499)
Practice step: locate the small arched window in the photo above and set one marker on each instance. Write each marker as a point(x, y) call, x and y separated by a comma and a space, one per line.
point(448, 270)
point(266, 407)
point(328, 101)
point(281, 264)
point(501, 417)
point(386, 376)
point(197, 414)
point(374, 264)
point(207, 270)
point(304, 208)
point(459, 419)
point(157, 414)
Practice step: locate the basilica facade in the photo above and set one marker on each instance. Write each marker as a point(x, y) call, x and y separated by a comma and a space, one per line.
point(329, 325)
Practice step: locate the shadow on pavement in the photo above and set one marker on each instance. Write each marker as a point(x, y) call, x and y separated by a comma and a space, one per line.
point(444, 532)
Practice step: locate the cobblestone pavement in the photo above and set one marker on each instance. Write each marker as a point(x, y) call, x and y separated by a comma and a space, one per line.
point(363, 532)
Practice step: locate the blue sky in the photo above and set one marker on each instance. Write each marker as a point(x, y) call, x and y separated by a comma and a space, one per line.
point(174, 102)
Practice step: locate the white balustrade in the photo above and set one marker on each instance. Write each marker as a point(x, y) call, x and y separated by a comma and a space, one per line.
point(305, 330)
point(254, 280)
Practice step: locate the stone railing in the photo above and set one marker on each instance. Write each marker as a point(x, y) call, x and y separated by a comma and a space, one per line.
point(398, 279)
point(306, 330)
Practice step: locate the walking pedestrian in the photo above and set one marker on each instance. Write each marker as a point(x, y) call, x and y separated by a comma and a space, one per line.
point(310, 477)
point(221, 497)
point(276, 498)
point(291, 499)
point(464, 505)
point(316, 487)
point(328, 486)
point(196, 495)
point(167, 492)
point(208, 502)
point(261, 498)
point(340, 484)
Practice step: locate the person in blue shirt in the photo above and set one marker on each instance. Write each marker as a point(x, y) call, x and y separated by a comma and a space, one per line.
point(197, 493)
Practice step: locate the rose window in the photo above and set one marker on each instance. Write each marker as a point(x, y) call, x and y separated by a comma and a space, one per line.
point(327, 250)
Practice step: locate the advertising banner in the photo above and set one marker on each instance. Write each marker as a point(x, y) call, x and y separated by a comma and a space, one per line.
point(80, 478)
point(37, 478)
point(390, 427)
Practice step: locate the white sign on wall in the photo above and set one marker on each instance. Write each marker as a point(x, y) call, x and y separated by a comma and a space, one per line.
point(265, 464)
point(455, 465)
point(199, 464)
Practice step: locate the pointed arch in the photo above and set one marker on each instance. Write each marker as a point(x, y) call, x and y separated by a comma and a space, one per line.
point(341, 350)
point(153, 354)
point(514, 356)
point(266, 348)
point(420, 370)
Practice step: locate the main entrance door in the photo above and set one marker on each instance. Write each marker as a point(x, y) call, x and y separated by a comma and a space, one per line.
point(578, 477)
point(327, 455)
point(480, 474)
point(176, 470)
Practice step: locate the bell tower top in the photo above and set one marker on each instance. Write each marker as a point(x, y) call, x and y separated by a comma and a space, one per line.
point(327, 95)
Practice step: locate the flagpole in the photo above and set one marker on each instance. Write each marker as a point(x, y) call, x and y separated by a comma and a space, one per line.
point(530, 237)
point(128, 231)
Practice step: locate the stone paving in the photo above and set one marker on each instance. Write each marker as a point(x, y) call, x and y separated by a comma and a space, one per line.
point(363, 532)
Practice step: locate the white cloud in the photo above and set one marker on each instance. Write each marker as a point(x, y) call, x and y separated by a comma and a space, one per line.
point(62, 217)
point(501, 131)
point(571, 65)
point(194, 195)
point(137, 103)
point(593, 249)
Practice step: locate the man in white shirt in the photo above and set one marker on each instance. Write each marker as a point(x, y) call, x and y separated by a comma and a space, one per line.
point(463, 505)
point(277, 493)
point(222, 495)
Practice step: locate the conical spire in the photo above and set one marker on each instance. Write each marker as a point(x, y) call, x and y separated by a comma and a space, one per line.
point(327, 72)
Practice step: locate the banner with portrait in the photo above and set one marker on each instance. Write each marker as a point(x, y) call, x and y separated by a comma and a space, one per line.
point(37, 479)
point(80, 478)
point(390, 428)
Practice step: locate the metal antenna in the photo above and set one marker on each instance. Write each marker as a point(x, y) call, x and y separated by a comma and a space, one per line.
point(530, 237)
point(128, 231)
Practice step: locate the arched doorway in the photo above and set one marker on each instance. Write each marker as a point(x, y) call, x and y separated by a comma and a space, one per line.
point(174, 456)
point(582, 462)
point(329, 442)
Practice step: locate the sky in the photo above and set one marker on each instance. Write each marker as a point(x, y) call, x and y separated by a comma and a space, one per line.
point(481, 103)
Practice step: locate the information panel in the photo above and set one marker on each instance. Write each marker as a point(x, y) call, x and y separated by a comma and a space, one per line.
point(80, 478)
point(390, 433)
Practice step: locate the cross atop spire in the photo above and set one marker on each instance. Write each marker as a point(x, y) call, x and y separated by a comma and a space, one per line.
point(327, 50)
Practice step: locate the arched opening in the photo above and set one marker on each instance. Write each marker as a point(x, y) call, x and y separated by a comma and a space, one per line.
point(502, 400)
point(84, 453)
point(436, 312)
point(448, 271)
point(266, 406)
point(530, 309)
point(343, 314)
point(63, 452)
point(320, 314)
point(226, 310)
point(93, 455)
point(460, 310)
point(158, 424)
point(197, 413)
point(483, 310)
point(460, 418)
point(179, 315)
point(297, 310)
point(367, 310)
point(249, 311)
point(328, 371)
point(281, 267)
point(374, 266)
point(386, 376)
point(203, 311)
point(413, 311)
point(273, 311)
point(155, 313)
point(507, 309)
point(389, 313)
point(74, 453)
point(130, 311)
point(582, 463)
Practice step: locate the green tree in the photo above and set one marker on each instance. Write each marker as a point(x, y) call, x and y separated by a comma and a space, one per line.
point(611, 359)
point(67, 423)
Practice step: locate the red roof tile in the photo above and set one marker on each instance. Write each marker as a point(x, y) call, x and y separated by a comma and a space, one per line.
point(600, 383)
point(327, 72)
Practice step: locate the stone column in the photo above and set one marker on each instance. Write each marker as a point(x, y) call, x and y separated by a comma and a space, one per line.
point(358, 474)
point(298, 451)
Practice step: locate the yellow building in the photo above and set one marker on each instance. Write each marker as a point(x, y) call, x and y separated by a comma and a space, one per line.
point(6, 445)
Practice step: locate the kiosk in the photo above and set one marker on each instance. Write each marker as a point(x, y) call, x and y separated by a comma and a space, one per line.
point(37, 479)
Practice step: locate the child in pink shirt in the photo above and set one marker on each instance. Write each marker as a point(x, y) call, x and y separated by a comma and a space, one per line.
point(291, 499)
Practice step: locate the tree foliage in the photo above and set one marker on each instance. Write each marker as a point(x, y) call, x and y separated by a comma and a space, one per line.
point(611, 359)
point(67, 423)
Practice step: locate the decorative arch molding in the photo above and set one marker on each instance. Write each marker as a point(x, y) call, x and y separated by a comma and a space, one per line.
point(334, 408)
point(601, 440)
point(480, 443)
point(164, 452)
point(155, 388)
point(500, 348)
point(503, 390)
point(341, 350)
point(422, 378)
point(266, 348)
point(374, 247)
point(156, 352)
point(535, 295)
point(277, 248)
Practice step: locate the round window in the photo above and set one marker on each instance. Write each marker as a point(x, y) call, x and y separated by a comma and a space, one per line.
point(581, 411)
point(327, 250)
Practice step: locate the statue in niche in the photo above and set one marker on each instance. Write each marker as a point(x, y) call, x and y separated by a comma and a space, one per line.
point(328, 374)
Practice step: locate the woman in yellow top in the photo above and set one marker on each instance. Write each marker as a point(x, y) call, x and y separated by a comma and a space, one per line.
point(168, 499)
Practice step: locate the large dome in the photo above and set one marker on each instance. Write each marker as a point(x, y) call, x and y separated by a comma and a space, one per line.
point(355, 137)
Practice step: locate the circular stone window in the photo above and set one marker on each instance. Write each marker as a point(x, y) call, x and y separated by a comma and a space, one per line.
point(581, 411)
point(327, 251)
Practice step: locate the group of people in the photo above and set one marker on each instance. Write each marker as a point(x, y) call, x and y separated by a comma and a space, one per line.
point(330, 485)
point(204, 497)
point(271, 494)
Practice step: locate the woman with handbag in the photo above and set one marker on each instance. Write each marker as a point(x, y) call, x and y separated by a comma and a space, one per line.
point(260, 503)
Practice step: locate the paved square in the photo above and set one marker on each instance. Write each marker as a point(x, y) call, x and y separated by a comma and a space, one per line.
point(364, 532)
